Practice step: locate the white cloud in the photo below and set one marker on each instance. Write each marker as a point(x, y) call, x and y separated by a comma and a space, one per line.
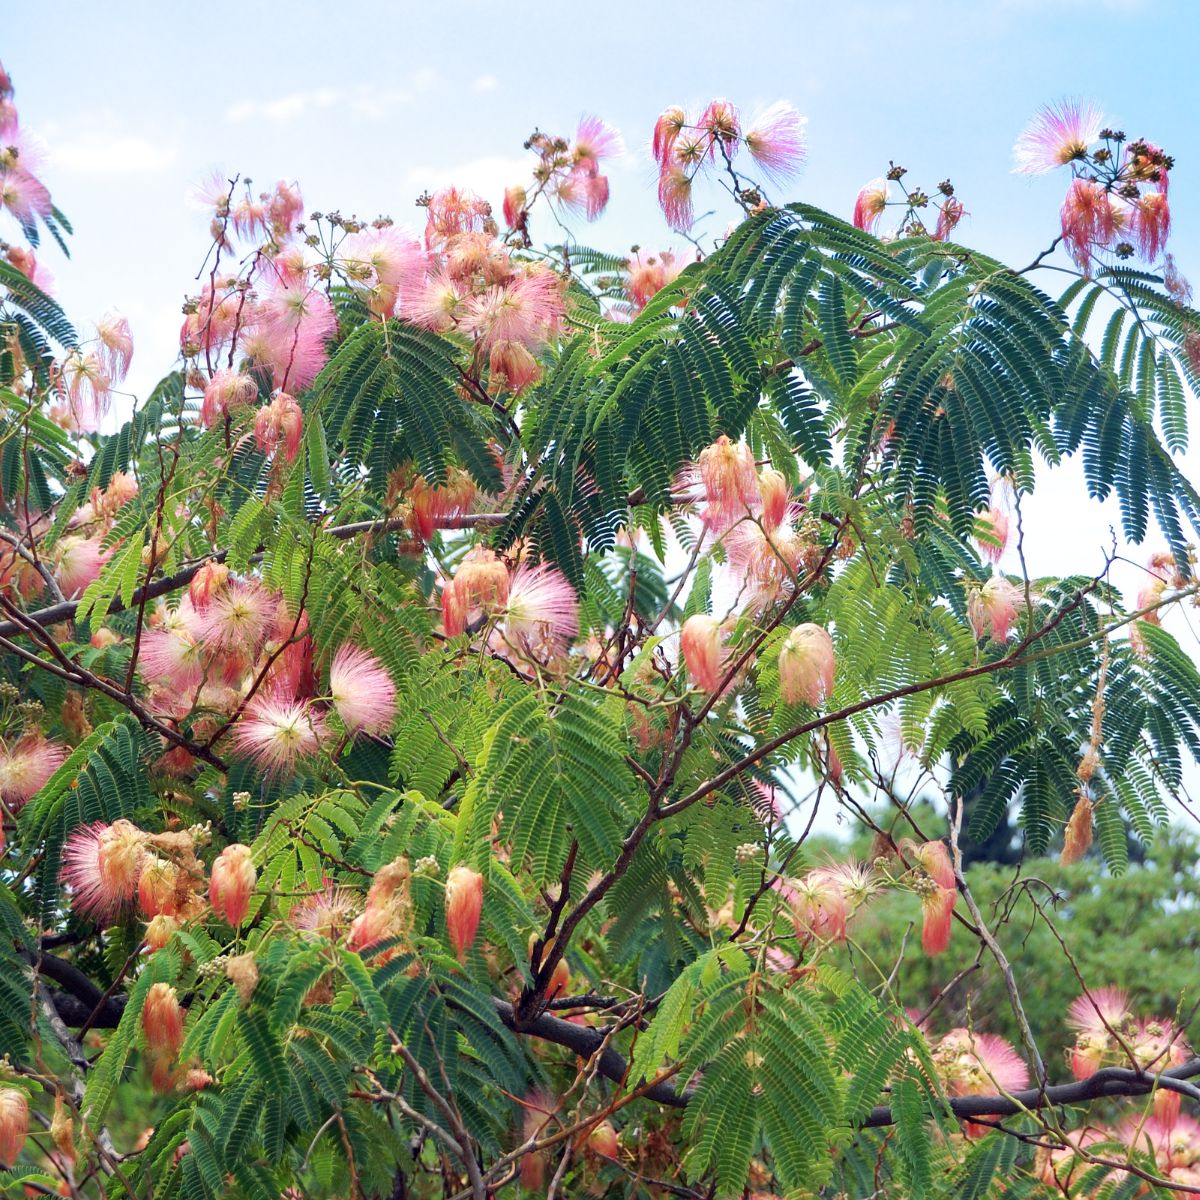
point(485, 83)
point(96, 145)
point(363, 100)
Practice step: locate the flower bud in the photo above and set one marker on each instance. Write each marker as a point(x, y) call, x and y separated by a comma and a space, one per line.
point(700, 642)
point(62, 1129)
point(156, 887)
point(232, 881)
point(159, 931)
point(1077, 838)
point(242, 972)
point(207, 581)
point(603, 1140)
point(162, 1020)
point(464, 903)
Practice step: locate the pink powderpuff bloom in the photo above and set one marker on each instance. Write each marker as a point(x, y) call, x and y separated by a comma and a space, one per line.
point(225, 391)
point(162, 1020)
point(950, 213)
point(14, 1124)
point(649, 274)
point(775, 494)
point(292, 671)
point(231, 884)
point(730, 477)
point(515, 198)
point(1098, 1011)
point(328, 913)
point(993, 607)
point(285, 206)
point(525, 311)
point(294, 321)
point(432, 505)
point(973, 1064)
point(237, 618)
point(86, 385)
point(596, 141)
point(670, 124)
point(675, 197)
point(512, 368)
point(1151, 223)
point(276, 732)
point(720, 122)
point(542, 613)
point(382, 263)
point(451, 212)
point(806, 666)
point(818, 905)
point(870, 204)
point(249, 218)
point(765, 560)
point(701, 642)
point(24, 195)
point(775, 141)
point(464, 906)
point(479, 586)
point(279, 424)
point(116, 345)
point(218, 311)
point(938, 891)
point(25, 767)
point(80, 561)
point(362, 691)
point(101, 864)
point(1089, 221)
point(1058, 135)
point(937, 914)
point(992, 535)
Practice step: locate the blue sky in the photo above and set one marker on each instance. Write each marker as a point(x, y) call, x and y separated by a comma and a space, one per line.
point(368, 104)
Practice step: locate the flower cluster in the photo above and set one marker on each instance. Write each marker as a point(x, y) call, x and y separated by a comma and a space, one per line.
point(22, 194)
point(566, 173)
point(974, 1064)
point(685, 146)
point(1116, 201)
point(875, 197)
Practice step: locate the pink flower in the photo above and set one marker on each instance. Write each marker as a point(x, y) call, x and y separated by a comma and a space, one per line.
point(14, 1124)
point(596, 141)
point(162, 1020)
point(432, 505)
point(218, 310)
point(730, 477)
point(26, 766)
point(675, 197)
point(512, 368)
point(116, 345)
point(439, 305)
point(101, 864)
point(649, 274)
point(667, 129)
point(870, 203)
point(231, 883)
point(479, 586)
point(1058, 135)
point(80, 561)
point(1097, 1011)
point(701, 642)
point(249, 218)
point(226, 391)
point(720, 121)
point(26, 262)
point(285, 206)
point(818, 905)
point(464, 905)
point(776, 141)
point(237, 618)
point(806, 666)
point(279, 423)
point(974, 1064)
point(1151, 223)
point(171, 657)
point(362, 691)
point(452, 212)
point(24, 195)
point(993, 608)
point(383, 263)
point(765, 560)
point(525, 311)
point(992, 536)
point(277, 732)
point(328, 913)
point(86, 385)
point(293, 322)
point(542, 613)
point(515, 199)
point(949, 215)
point(158, 882)
point(1089, 221)
point(775, 494)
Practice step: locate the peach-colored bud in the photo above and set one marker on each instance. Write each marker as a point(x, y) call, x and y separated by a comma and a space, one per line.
point(232, 881)
point(242, 971)
point(603, 1140)
point(157, 884)
point(62, 1129)
point(105, 637)
point(162, 1020)
point(561, 974)
point(14, 1124)
point(775, 495)
point(196, 1080)
point(464, 903)
point(119, 857)
point(1077, 838)
point(806, 665)
point(730, 480)
point(206, 582)
point(159, 931)
point(480, 586)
